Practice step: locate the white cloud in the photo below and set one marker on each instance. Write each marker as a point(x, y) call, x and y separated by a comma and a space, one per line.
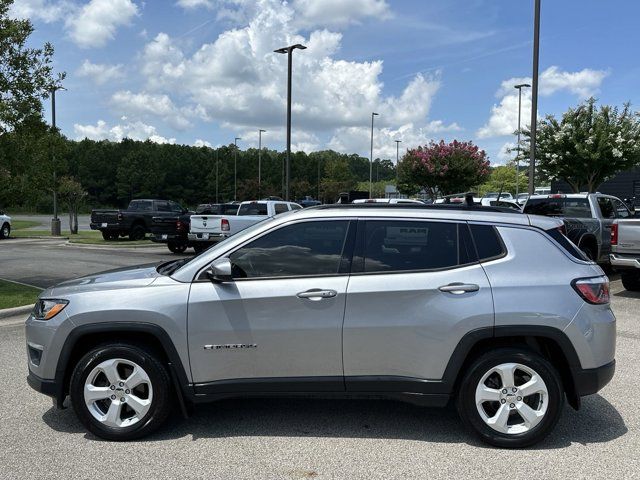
point(192, 4)
point(337, 13)
point(504, 116)
point(133, 130)
point(47, 11)
point(100, 73)
point(96, 22)
point(144, 105)
point(201, 143)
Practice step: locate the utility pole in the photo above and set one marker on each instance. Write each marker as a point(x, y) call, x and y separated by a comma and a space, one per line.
point(373, 114)
point(519, 87)
point(235, 169)
point(534, 97)
point(217, 161)
point(55, 221)
point(260, 131)
point(397, 162)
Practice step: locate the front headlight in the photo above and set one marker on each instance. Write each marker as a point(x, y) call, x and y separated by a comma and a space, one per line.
point(46, 309)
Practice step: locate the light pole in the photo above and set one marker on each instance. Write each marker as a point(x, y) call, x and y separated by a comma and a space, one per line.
point(398, 142)
point(217, 160)
point(235, 168)
point(519, 87)
point(289, 51)
point(534, 97)
point(55, 221)
point(373, 114)
point(260, 131)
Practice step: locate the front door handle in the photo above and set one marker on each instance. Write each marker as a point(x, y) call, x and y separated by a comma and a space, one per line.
point(317, 294)
point(459, 288)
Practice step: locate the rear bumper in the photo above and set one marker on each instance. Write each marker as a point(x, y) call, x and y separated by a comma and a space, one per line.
point(592, 380)
point(624, 262)
point(110, 227)
point(168, 237)
point(210, 238)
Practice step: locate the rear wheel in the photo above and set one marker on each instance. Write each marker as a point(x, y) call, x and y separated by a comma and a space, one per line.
point(631, 281)
point(108, 236)
point(511, 398)
point(177, 247)
point(5, 231)
point(137, 232)
point(198, 248)
point(588, 251)
point(120, 392)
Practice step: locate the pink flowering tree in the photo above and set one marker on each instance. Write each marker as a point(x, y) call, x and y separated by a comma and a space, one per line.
point(443, 168)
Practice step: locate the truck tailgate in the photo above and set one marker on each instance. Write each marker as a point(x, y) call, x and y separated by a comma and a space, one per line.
point(104, 216)
point(628, 236)
point(205, 224)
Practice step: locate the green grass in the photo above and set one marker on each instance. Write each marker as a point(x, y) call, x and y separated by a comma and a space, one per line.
point(20, 224)
point(91, 237)
point(16, 295)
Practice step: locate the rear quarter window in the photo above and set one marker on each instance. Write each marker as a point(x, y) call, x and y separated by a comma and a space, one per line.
point(487, 242)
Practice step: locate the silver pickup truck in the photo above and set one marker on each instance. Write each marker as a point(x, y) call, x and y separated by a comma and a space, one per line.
point(625, 252)
point(587, 217)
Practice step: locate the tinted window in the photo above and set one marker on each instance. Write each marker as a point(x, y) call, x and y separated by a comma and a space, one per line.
point(207, 209)
point(281, 208)
point(229, 209)
point(141, 205)
point(621, 209)
point(253, 209)
point(560, 207)
point(163, 206)
point(295, 206)
point(487, 241)
point(310, 248)
point(404, 245)
point(175, 207)
point(606, 207)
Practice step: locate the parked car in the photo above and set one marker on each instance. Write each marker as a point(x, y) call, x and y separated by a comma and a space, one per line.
point(510, 204)
point(205, 230)
point(135, 221)
point(587, 217)
point(5, 225)
point(498, 196)
point(625, 251)
point(498, 312)
point(390, 201)
point(174, 230)
point(521, 199)
point(308, 202)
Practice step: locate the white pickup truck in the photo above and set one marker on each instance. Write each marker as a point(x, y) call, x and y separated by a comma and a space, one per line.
point(206, 230)
point(625, 251)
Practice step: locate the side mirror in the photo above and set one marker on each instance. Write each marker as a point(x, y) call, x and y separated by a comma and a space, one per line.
point(221, 270)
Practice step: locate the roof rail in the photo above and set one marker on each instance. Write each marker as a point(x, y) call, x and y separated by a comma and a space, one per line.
point(414, 206)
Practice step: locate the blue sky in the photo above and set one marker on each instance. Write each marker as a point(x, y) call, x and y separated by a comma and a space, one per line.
point(202, 71)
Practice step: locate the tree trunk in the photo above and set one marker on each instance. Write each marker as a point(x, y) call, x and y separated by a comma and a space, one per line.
point(75, 219)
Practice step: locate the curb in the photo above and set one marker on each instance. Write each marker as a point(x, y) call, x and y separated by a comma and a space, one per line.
point(111, 247)
point(13, 312)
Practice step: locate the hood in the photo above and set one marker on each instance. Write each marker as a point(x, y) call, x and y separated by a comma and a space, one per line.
point(121, 278)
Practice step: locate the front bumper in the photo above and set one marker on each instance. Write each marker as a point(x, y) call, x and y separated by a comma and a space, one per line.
point(50, 388)
point(624, 262)
point(592, 380)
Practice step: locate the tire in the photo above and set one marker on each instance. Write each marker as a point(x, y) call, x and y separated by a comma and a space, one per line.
point(137, 232)
point(589, 252)
point(198, 248)
point(5, 231)
point(113, 364)
point(109, 236)
point(631, 281)
point(515, 432)
point(176, 247)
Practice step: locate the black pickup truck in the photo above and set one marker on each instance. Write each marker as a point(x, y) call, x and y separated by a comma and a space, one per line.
point(173, 230)
point(135, 221)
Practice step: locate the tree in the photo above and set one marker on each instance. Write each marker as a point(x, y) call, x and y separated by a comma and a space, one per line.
point(72, 192)
point(26, 75)
point(443, 168)
point(503, 179)
point(588, 145)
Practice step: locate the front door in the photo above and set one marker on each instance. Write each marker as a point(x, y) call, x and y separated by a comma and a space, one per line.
point(278, 325)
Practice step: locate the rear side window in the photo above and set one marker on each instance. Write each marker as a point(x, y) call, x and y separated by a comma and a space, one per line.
point(487, 242)
point(566, 244)
point(253, 209)
point(606, 207)
point(281, 208)
point(394, 245)
point(559, 207)
point(141, 205)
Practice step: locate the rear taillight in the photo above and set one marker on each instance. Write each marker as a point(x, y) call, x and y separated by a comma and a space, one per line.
point(179, 226)
point(593, 290)
point(224, 225)
point(614, 234)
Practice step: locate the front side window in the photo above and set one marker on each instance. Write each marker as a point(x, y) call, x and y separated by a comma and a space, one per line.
point(396, 245)
point(302, 249)
point(163, 206)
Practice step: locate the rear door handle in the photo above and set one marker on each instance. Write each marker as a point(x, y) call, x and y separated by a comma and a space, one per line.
point(459, 288)
point(317, 294)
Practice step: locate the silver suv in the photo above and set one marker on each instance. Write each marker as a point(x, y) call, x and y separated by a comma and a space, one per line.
point(496, 311)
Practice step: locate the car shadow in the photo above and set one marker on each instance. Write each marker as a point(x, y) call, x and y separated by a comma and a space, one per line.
point(627, 294)
point(598, 421)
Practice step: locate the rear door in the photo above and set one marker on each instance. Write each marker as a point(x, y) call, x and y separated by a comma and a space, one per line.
point(415, 291)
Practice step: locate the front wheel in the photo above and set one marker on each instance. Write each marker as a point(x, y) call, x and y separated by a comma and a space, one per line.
point(120, 392)
point(631, 281)
point(137, 233)
point(5, 231)
point(108, 236)
point(511, 398)
point(176, 247)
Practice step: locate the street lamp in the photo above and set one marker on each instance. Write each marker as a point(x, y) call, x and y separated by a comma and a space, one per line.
point(373, 114)
point(55, 221)
point(534, 96)
point(289, 51)
point(260, 131)
point(519, 87)
point(217, 161)
point(398, 142)
point(235, 169)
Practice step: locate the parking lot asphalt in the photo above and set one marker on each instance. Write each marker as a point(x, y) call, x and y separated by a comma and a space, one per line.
point(308, 438)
